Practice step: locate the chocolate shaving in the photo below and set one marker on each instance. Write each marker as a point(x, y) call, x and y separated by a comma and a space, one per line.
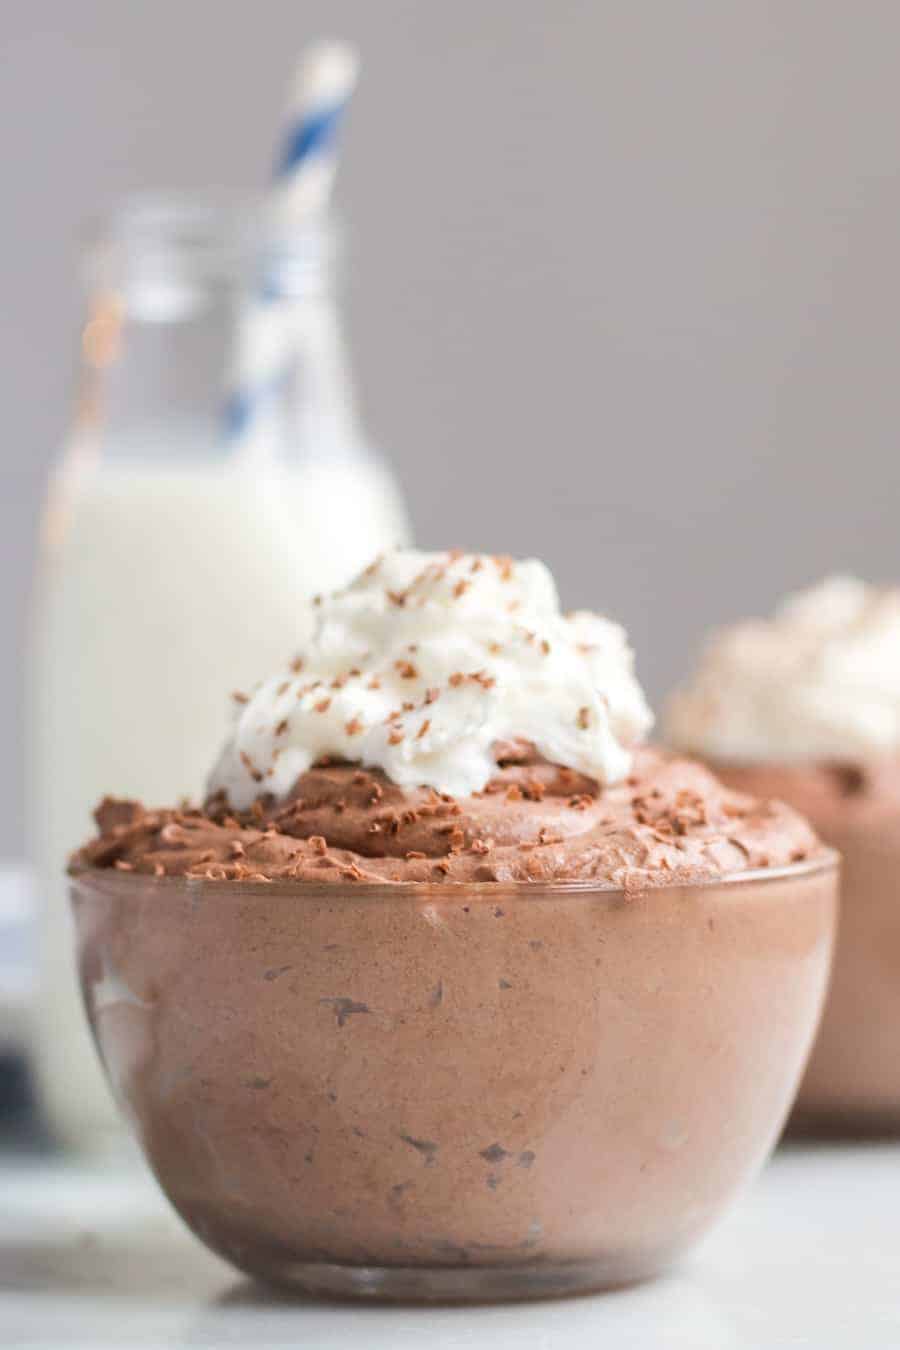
point(250, 767)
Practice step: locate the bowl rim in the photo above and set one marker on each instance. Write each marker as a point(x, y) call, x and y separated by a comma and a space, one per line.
point(825, 861)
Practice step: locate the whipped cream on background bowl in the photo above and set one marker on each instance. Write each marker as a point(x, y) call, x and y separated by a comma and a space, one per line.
point(427, 661)
point(819, 680)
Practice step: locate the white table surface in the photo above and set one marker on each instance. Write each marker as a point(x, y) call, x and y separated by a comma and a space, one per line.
point(810, 1257)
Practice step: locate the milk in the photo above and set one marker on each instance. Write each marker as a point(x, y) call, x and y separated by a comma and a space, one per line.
point(167, 580)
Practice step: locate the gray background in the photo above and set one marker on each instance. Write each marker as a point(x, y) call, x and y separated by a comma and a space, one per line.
point(625, 291)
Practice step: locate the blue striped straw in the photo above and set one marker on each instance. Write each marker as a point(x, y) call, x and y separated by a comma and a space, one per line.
point(307, 158)
point(304, 172)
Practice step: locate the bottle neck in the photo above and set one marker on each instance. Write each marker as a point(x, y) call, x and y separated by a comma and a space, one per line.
point(290, 396)
point(181, 299)
point(326, 400)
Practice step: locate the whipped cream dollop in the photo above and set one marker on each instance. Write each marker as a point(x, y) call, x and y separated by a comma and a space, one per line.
point(423, 665)
point(820, 680)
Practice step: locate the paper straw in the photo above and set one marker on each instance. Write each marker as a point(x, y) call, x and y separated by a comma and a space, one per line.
point(304, 173)
point(307, 160)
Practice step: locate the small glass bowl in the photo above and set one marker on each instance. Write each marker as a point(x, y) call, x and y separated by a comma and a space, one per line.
point(452, 1091)
point(852, 1084)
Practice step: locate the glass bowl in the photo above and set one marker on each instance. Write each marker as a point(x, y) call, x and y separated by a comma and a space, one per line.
point(454, 1091)
point(852, 1084)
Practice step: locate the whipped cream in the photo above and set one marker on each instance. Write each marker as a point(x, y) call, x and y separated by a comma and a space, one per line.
point(423, 664)
point(820, 680)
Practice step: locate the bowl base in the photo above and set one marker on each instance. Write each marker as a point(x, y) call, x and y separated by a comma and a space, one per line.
point(810, 1123)
point(454, 1284)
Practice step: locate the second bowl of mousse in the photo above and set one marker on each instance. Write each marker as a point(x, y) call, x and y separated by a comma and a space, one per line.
point(451, 990)
point(806, 707)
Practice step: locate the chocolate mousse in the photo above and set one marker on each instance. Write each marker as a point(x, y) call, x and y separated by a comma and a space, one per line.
point(451, 988)
point(669, 821)
point(806, 707)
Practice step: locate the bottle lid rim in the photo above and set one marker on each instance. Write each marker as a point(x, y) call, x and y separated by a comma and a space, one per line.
point(214, 239)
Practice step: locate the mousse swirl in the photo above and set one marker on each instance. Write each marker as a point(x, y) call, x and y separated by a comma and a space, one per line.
point(669, 821)
point(446, 723)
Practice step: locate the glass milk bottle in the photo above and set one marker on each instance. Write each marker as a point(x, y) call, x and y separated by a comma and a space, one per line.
point(178, 554)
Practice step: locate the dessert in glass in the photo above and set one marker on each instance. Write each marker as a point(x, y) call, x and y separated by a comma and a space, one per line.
point(451, 989)
point(806, 707)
